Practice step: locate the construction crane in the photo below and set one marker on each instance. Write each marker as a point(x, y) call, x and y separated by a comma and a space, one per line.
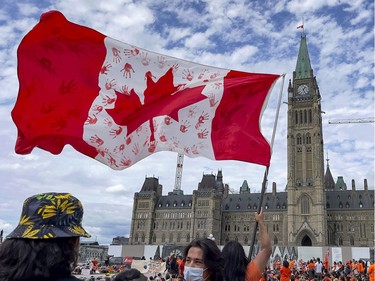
point(177, 184)
point(350, 121)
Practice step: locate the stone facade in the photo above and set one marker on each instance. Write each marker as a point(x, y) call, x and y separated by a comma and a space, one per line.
point(313, 211)
point(90, 251)
point(177, 219)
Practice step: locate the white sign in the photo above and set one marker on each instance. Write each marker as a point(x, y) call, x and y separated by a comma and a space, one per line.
point(336, 254)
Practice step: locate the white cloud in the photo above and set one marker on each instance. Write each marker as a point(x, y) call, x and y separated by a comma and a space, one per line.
point(198, 41)
point(115, 189)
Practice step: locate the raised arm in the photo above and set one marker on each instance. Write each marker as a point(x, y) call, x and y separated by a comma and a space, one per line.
point(263, 256)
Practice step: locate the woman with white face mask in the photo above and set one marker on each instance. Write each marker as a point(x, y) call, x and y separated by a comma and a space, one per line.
point(203, 261)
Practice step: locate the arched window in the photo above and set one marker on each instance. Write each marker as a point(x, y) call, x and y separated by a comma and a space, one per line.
point(299, 139)
point(308, 138)
point(310, 116)
point(305, 116)
point(143, 237)
point(305, 205)
point(296, 117)
point(154, 238)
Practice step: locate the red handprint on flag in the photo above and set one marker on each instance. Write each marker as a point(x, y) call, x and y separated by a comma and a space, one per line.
point(128, 69)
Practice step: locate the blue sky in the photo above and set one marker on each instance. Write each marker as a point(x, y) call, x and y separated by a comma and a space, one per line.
point(253, 36)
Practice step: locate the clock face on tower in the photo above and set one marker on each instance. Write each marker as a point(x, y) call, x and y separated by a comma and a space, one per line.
point(303, 90)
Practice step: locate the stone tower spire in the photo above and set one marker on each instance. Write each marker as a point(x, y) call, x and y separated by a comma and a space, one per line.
point(303, 66)
point(329, 182)
point(306, 182)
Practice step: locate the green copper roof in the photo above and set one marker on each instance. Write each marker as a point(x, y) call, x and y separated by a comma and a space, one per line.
point(340, 184)
point(303, 67)
point(244, 186)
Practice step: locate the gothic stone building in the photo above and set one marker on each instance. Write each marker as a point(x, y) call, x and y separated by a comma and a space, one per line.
point(314, 211)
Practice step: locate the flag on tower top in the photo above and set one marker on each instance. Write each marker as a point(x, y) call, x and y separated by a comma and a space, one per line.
point(119, 103)
point(300, 26)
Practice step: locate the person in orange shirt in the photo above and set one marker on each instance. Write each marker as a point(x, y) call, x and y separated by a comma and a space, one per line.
point(360, 267)
point(181, 265)
point(291, 265)
point(371, 271)
point(311, 270)
point(285, 271)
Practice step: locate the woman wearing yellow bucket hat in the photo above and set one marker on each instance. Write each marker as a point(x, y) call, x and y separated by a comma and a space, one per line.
point(44, 246)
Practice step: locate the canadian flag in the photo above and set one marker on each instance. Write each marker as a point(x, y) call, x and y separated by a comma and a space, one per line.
point(119, 103)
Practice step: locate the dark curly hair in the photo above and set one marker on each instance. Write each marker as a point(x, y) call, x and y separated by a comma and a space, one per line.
point(213, 258)
point(235, 261)
point(37, 259)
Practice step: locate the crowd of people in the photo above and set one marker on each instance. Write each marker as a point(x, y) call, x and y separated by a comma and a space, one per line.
point(44, 247)
point(317, 270)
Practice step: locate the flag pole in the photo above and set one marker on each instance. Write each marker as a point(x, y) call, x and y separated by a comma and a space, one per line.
point(265, 178)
